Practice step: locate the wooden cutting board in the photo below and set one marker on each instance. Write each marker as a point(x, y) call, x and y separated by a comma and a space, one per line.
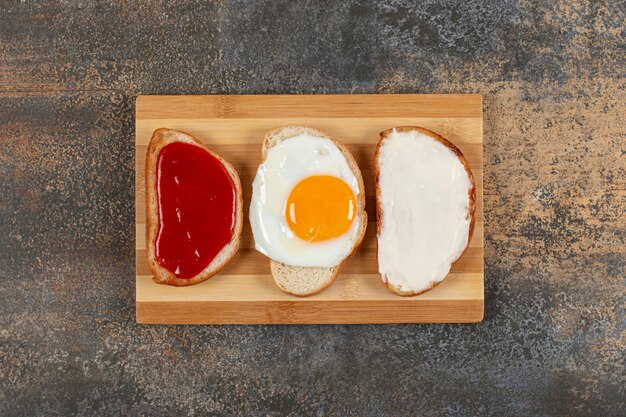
point(244, 292)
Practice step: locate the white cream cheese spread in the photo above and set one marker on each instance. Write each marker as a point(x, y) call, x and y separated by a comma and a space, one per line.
point(424, 196)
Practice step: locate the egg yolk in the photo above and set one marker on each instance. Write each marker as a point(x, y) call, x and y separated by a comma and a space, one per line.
point(320, 207)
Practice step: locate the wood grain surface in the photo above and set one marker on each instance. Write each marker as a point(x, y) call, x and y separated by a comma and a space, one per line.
point(244, 292)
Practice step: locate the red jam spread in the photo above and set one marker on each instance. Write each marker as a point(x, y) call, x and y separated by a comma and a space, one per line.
point(196, 202)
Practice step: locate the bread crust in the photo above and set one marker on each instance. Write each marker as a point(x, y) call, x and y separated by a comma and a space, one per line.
point(379, 210)
point(287, 132)
point(160, 138)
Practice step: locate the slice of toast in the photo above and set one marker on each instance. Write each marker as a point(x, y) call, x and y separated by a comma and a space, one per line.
point(300, 280)
point(380, 215)
point(161, 138)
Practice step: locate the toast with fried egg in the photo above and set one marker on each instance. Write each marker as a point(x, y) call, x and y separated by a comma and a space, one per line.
point(311, 279)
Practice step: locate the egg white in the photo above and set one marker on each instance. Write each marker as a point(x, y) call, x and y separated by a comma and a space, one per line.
point(288, 163)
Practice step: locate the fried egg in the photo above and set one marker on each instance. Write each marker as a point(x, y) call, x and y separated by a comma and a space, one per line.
point(303, 210)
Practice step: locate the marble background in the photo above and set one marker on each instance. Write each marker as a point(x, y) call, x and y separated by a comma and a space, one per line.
point(552, 75)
